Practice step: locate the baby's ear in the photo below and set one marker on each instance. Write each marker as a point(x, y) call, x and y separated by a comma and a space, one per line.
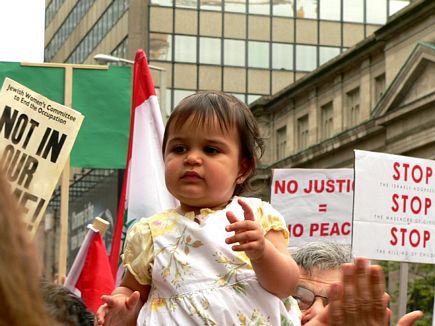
point(245, 171)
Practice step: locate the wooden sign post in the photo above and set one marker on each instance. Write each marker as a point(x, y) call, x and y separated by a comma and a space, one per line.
point(64, 197)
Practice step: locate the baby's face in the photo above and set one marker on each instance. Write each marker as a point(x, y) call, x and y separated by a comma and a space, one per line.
point(202, 165)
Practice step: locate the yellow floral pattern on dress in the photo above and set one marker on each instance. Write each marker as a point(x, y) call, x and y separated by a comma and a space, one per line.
point(176, 267)
point(256, 319)
point(230, 278)
point(196, 278)
point(200, 310)
point(163, 224)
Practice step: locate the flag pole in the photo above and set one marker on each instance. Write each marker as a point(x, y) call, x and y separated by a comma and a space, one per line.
point(99, 225)
point(403, 290)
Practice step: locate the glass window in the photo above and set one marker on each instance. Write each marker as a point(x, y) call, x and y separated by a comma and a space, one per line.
point(376, 11)
point(353, 106)
point(186, 3)
point(235, 5)
point(281, 142)
point(282, 56)
point(252, 98)
point(185, 48)
point(306, 8)
point(259, 7)
point(353, 11)
point(330, 9)
point(303, 132)
point(241, 97)
point(167, 101)
point(396, 5)
point(326, 53)
point(379, 86)
point(258, 54)
point(215, 5)
point(234, 53)
point(166, 3)
point(327, 115)
point(179, 94)
point(210, 50)
point(160, 47)
point(306, 57)
point(282, 8)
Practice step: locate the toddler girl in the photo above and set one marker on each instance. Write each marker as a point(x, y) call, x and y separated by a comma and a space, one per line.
point(217, 259)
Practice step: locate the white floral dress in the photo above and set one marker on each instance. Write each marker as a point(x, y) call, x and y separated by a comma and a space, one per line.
point(195, 277)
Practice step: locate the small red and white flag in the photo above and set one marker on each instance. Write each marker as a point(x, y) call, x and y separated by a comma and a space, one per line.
point(90, 276)
point(144, 191)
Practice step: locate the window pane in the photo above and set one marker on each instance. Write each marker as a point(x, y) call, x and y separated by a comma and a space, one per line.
point(186, 3)
point(282, 56)
point(327, 53)
point(185, 48)
point(282, 8)
point(281, 142)
point(234, 53)
point(306, 57)
point(330, 9)
point(302, 126)
point(353, 11)
point(180, 94)
point(235, 5)
point(376, 11)
point(327, 116)
point(160, 46)
point(241, 97)
point(167, 3)
point(211, 5)
point(210, 50)
point(306, 8)
point(396, 5)
point(259, 7)
point(252, 98)
point(258, 54)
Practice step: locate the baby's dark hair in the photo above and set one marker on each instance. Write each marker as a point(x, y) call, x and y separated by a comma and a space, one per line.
point(204, 108)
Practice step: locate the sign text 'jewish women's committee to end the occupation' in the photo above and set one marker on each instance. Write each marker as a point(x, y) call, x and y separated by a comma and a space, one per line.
point(36, 138)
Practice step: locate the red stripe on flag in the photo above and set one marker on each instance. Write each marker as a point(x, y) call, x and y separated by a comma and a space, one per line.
point(143, 88)
point(95, 277)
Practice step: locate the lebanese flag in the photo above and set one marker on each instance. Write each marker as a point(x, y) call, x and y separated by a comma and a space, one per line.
point(90, 276)
point(144, 191)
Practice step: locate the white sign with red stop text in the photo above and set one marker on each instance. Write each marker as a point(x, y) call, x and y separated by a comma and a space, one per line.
point(394, 210)
point(316, 203)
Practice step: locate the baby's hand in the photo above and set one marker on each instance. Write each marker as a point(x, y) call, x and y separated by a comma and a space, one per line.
point(117, 309)
point(248, 233)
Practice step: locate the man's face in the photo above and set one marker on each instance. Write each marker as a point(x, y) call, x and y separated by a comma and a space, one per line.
point(312, 292)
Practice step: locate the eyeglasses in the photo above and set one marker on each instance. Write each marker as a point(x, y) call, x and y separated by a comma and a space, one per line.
point(306, 298)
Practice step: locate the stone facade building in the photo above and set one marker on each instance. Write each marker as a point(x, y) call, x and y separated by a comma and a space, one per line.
point(377, 96)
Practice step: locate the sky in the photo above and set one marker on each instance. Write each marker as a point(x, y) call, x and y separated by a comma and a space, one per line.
point(22, 30)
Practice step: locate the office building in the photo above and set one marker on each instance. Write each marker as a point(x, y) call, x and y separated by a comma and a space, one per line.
point(247, 48)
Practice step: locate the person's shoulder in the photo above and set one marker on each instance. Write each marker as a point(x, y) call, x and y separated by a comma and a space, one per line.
point(146, 221)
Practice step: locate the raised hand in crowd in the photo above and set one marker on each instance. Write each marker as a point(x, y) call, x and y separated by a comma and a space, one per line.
point(360, 299)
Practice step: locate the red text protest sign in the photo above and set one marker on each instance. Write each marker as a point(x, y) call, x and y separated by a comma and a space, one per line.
point(394, 208)
point(316, 203)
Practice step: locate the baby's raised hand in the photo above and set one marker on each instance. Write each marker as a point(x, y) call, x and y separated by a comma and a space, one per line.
point(248, 233)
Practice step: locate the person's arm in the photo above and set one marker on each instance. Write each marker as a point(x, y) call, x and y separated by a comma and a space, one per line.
point(276, 271)
point(123, 305)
